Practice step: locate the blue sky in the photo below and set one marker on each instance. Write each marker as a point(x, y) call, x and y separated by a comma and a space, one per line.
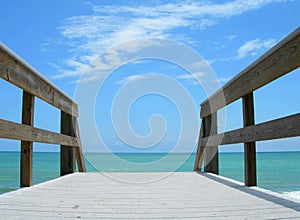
point(62, 38)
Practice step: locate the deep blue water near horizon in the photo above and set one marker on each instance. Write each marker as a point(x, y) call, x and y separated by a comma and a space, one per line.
point(276, 171)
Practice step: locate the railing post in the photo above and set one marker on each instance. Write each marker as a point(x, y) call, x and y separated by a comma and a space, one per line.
point(79, 153)
point(67, 153)
point(200, 150)
point(26, 146)
point(249, 147)
point(211, 155)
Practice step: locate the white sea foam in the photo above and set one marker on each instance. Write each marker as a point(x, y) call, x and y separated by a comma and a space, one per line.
point(293, 194)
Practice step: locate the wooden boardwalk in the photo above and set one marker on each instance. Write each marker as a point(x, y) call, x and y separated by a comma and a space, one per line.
point(176, 196)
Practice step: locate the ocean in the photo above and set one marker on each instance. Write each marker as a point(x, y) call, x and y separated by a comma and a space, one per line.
point(276, 171)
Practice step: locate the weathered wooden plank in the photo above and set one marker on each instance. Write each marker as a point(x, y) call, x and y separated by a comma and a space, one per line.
point(16, 71)
point(67, 154)
point(280, 128)
point(137, 213)
point(26, 146)
point(152, 208)
point(15, 131)
point(211, 154)
point(102, 196)
point(278, 61)
point(200, 150)
point(79, 153)
point(249, 147)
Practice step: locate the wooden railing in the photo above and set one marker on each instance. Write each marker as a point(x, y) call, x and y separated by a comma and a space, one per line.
point(278, 61)
point(17, 72)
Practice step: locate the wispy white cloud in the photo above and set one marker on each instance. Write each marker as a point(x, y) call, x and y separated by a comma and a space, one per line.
point(86, 79)
point(194, 76)
point(189, 9)
point(199, 78)
point(77, 66)
point(110, 25)
point(252, 47)
point(230, 37)
point(249, 48)
point(130, 79)
point(205, 23)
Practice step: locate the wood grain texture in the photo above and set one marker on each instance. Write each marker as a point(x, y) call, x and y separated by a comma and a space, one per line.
point(200, 150)
point(278, 61)
point(280, 128)
point(15, 131)
point(182, 195)
point(79, 153)
point(67, 153)
point(249, 147)
point(211, 154)
point(26, 146)
point(16, 71)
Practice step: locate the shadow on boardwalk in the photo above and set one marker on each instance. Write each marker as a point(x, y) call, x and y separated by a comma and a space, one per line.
point(255, 191)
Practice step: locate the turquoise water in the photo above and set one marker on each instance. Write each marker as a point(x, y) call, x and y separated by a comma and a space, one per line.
point(278, 172)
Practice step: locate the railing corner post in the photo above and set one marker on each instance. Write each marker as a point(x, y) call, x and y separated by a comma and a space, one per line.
point(200, 151)
point(211, 155)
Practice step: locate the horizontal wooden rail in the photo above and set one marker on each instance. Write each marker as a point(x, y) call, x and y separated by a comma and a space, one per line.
point(15, 131)
point(14, 70)
point(280, 128)
point(278, 61)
